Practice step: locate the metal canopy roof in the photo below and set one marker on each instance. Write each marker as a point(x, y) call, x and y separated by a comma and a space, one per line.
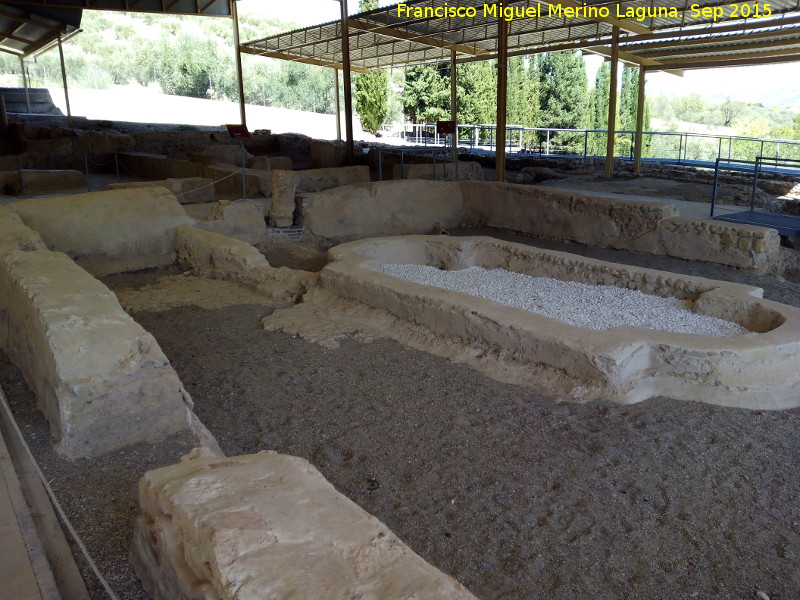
point(30, 26)
point(686, 38)
point(25, 30)
point(213, 8)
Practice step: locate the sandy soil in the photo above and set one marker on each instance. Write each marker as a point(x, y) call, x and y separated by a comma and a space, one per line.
point(515, 496)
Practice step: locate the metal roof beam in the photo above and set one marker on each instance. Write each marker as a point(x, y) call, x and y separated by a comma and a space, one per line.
point(634, 59)
point(726, 48)
point(410, 36)
point(24, 19)
point(131, 6)
point(755, 58)
point(623, 24)
point(299, 58)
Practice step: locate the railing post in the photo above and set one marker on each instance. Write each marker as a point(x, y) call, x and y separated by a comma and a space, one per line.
point(714, 191)
point(380, 165)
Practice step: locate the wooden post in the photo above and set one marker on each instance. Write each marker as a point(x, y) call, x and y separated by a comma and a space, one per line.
point(612, 105)
point(637, 159)
point(502, 93)
point(25, 83)
point(64, 79)
point(348, 91)
point(454, 107)
point(238, 56)
point(338, 105)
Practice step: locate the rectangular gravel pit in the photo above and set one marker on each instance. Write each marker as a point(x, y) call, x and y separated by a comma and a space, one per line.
point(623, 364)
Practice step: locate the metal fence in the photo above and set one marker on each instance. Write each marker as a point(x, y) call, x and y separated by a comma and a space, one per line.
point(672, 146)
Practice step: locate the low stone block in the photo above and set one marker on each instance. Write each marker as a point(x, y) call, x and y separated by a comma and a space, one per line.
point(382, 208)
point(467, 171)
point(101, 380)
point(188, 190)
point(227, 258)
point(269, 527)
point(14, 235)
point(243, 220)
point(108, 232)
point(270, 163)
point(228, 181)
point(221, 154)
point(326, 154)
point(287, 185)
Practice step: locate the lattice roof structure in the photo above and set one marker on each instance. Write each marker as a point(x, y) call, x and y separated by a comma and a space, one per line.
point(31, 26)
point(681, 38)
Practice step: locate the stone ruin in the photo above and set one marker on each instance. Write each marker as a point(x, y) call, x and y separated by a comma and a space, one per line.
point(217, 527)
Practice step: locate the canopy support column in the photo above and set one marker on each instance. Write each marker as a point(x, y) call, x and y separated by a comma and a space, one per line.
point(237, 50)
point(338, 105)
point(64, 79)
point(454, 107)
point(502, 93)
point(612, 105)
point(637, 164)
point(348, 91)
point(25, 83)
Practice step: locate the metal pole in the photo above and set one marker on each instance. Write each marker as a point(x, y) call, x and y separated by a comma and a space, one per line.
point(502, 91)
point(116, 165)
point(25, 83)
point(238, 56)
point(755, 183)
point(244, 171)
point(453, 102)
point(64, 78)
point(86, 163)
point(380, 165)
point(338, 105)
point(585, 146)
point(612, 104)
point(714, 191)
point(348, 92)
point(640, 105)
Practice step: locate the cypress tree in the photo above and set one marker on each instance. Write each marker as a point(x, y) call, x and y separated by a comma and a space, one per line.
point(372, 90)
point(564, 94)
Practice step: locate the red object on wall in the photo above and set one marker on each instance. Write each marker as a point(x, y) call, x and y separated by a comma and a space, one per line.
point(238, 132)
point(445, 127)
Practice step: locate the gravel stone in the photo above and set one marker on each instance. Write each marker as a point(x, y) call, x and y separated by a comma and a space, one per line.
point(591, 306)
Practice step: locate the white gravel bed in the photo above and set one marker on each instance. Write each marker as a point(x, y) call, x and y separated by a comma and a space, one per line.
point(580, 304)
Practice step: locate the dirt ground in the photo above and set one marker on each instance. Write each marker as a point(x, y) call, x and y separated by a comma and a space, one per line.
point(515, 496)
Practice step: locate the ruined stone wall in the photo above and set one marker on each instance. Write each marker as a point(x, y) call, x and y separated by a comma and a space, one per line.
point(217, 255)
point(467, 171)
point(108, 232)
point(610, 223)
point(269, 526)
point(287, 185)
point(187, 190)
point(101, 381)
point(381, 208)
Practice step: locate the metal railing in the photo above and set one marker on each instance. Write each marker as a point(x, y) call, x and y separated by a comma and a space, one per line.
point(433, 152)
point(673, 146)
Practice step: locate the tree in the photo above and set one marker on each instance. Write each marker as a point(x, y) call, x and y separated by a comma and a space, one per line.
point(598, 113)
point(564, 94)
point(426, 96)
point(372, 90)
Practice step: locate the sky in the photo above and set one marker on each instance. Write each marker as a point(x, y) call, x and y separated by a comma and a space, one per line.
point(768, 84)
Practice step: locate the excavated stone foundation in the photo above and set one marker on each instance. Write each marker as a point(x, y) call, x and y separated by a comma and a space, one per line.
point(760, 369)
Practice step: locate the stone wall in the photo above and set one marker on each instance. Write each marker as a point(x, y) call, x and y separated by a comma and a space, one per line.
point(381, 208)
point(34, 183)
point(108, 232)
point(217, 255)
point(467, 171)
point(287, 185)
point(610, 223)
point(188, 190)
point(269, 526)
